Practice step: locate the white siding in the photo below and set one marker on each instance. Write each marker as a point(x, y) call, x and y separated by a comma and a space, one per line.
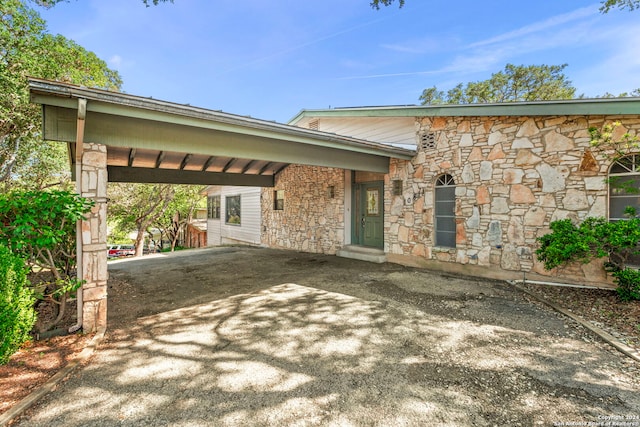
point(396, 131)
point(219, 232)
point(214, 238)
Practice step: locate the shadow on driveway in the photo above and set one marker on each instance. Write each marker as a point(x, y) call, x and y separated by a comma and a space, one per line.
point(248, 336)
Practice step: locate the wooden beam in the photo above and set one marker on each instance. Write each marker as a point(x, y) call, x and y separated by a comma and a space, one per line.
point(228, 165)
point(248, 166)
point(280, 170)
point(208, 163)
point(160, 159)
point(265, 167)
point(185, 161)
point(175, 176)
point(132, 155)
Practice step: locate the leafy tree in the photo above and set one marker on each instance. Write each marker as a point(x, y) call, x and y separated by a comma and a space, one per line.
point(26, 49)
point(635, 92)
point(41, 228)
point(136, 207)
point(611, 148)
point(515, 83)
point(377, 3)
point(51, 3)
point(607, 5)
point(180, 212)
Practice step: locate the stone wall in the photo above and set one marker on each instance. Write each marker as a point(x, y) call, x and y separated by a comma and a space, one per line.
point(94, 238)
point(312, 220)
point(514, 175)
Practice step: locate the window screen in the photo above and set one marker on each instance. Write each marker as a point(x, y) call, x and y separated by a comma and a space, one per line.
point(445, 204)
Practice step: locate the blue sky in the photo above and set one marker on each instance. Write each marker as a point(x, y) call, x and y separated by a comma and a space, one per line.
point(270, 59)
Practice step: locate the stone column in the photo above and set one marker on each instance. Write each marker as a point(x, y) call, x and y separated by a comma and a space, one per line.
point(94, 238)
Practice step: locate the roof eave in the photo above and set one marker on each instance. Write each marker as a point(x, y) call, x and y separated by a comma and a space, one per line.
point(600, 106)
point(134, 106)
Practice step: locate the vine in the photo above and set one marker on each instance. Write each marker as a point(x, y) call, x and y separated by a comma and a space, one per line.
point(597, 237)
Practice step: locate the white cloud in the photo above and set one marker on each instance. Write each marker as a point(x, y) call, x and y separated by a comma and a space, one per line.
point(115, 61)
point(568, 30)
point(616, 68)
point(420, 46)
point(538, 27)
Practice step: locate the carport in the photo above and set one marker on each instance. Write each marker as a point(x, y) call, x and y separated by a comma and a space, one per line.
point(124, 138)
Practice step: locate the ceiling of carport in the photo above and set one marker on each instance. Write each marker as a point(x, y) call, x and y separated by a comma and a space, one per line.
point(156, 141)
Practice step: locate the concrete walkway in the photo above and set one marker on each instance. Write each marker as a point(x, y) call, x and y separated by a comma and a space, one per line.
point(257, 337)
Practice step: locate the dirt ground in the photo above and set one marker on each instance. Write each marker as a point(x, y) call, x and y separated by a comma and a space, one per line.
point(248, 336)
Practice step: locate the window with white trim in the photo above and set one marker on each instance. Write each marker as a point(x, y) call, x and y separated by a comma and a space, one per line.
point(232, 214)
point(624, 187)
point(213, 207)
point(624, 196)
point(445, 206)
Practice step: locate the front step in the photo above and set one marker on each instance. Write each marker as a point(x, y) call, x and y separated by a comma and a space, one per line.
point(362, 253)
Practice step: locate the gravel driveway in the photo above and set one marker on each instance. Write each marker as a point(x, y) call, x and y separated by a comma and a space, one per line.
point(259, 337)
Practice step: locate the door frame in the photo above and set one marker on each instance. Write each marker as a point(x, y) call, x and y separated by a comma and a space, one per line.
point(358, 192)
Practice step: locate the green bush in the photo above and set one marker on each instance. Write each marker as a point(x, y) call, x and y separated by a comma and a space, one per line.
point(17, 314)
point(628, 281)
point(568, 242)
point(40, 226)
point(596, 238)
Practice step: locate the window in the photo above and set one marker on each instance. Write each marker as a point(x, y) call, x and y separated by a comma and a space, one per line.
point(445, 205)
point(278, 200)
point(213, 207)
point(624, 193)
point(624, 186)
point(232, 215)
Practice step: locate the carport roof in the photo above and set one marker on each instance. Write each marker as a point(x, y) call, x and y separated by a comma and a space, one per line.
point(157, 141)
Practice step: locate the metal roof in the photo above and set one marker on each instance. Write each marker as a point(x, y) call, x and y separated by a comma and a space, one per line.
point(149, 140)
point(599, 106)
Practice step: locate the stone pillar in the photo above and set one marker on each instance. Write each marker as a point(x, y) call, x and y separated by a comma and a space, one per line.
point(94, 238)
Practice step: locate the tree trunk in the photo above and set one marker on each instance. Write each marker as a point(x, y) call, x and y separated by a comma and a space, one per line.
point(61, 307)
point(139, 243)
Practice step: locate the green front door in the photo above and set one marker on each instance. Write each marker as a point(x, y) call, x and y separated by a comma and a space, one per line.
point(370, 214)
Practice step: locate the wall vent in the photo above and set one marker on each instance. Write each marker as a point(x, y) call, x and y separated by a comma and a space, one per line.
point(314, 124)
point(428, 141)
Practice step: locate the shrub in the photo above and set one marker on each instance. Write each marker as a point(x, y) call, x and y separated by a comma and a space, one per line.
point(17, 314)
point(568, 242)
point(628, 281)
point(40, 226)
point(595, 238)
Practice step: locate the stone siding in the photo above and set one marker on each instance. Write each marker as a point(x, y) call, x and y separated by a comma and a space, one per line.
point(514, 175)
point(94, 238)
point(311, 221)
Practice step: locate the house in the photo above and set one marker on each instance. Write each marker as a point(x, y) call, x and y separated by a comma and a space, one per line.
point(485, 182)
point(233, 215)
point(195, 234)
point(481, 183)
point(116, 137)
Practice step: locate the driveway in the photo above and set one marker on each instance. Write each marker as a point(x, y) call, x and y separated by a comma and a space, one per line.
point(258, 337)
